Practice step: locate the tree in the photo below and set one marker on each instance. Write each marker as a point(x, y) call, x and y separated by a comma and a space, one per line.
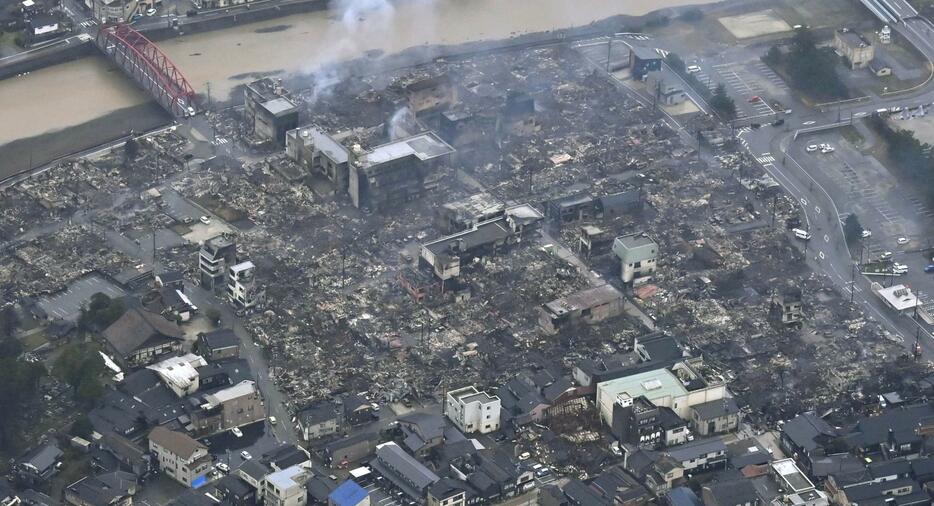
point(10, 347)
point(852, 230)
point(812, 69)
point(100, 312)
point(19, 388)
point(130, 149)
point(82, 427)
point(692, 15)
point(9, 321)
point(722, 104)
point(80, 366)
point(214, 315)
point(773, 56)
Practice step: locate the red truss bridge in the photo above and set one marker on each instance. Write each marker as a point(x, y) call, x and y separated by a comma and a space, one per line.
point(142, 60)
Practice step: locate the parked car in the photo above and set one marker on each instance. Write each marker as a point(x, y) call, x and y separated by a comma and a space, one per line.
point(236, 432)
point(811, 148)
point(804, 235)
point(885, 255)
point(151, 12)
point(778, 122)
point(867, 234)
point(246, 455)
point(223, 467)
point(902, 241)
point(929, 268)
point(754, 98)
point(273, 420)
point(206, 220)
point(693, 69)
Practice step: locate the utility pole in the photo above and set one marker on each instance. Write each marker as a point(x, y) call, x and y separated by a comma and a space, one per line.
point(211, 113)
point(852, 282)
point(609, 46)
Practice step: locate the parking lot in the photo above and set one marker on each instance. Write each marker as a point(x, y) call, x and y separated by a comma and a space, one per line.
point(67, 305)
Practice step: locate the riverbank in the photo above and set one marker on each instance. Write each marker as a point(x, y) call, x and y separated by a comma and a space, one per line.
point(33, 152)
point(91, 109)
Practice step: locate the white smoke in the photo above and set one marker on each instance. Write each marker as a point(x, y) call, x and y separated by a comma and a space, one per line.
point(359, 26)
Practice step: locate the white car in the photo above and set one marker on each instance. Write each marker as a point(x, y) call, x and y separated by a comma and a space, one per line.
point(804, 235)
point(246, 455)
point(236, 432)
point(826, 148)
point(206, 220)
point(867, 233)
point(811, 148)
point(151, 12)
point(902, 241)
point(885, 255)
point(222, 467)
point(693, 69)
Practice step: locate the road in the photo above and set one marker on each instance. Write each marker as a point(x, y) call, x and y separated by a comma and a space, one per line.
point(253, 353)
point(779, 151)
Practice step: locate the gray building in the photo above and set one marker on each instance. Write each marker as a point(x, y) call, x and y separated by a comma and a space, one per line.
point(216, 255)
point(269, 110)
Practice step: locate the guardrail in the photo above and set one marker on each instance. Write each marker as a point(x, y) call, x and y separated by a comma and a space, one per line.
point(821, 128)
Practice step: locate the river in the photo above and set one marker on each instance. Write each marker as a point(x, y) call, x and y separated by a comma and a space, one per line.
point(77, 92)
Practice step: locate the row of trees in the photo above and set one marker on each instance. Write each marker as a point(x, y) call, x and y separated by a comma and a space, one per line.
point(810, 69)
point(911, 157)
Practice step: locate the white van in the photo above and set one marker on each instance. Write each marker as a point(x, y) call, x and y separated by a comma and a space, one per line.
point(804, 235)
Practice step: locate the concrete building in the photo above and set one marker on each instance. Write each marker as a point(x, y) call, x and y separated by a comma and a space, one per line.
point(242, 289)
point(269, 110)
point(715, 417)
point(589, 306)
point(394, 173)
point(686, 384)
point(787, 307)
point(286, 487)
point(857, 49)
point(637, 256)
point(230, 407)
point(182, 458)
point(320, 153)
point(216, 255)
point(473, 411)
point(643, 60)
point(114, 11)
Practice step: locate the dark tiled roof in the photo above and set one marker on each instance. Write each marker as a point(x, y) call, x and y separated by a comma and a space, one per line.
point(805, 428)
point(135, 327)
point(716, 409)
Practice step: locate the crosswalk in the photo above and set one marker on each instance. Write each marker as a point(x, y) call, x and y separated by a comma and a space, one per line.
point(88, 23)
point(639, 36)
point(765, 158)
point(222, 140)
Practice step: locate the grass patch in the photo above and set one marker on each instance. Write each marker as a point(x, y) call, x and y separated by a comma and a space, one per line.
point(852, 136)
point(33, 341)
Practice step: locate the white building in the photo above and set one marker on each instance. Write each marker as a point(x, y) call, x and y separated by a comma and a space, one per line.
point(182, 458)
point(242, 289)
point(637, 256)
point(897, 297)
point(180, 373)
point(286, 487)
point(472, 410)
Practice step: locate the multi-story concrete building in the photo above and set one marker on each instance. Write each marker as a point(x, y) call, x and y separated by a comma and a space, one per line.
point(637, 256)
point(857, 49)
point(686, 384)
point(472, 410)
point(231, 407)
point(242, 288)
point(182, 458)
point(286, 487)
point(588, 306)
point(320, 153)
point(269, 110)
point(217, 254)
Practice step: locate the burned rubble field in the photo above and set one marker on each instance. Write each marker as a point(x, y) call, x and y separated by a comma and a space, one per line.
point(337, 317)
